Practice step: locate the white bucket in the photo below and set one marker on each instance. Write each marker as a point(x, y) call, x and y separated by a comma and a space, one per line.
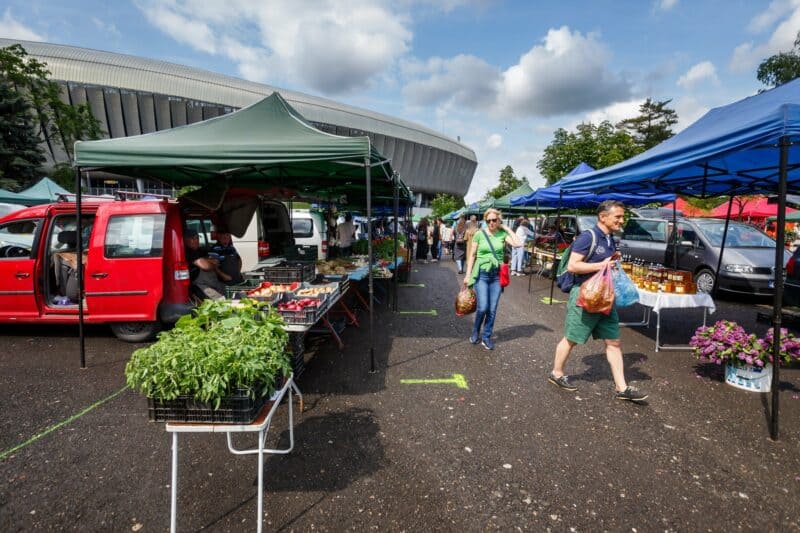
point(749, 377)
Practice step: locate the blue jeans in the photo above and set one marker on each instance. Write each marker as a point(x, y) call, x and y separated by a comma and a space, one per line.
point(517, 259)
point(487, 290)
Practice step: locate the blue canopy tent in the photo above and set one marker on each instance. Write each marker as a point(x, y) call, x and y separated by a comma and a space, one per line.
point(748, 147)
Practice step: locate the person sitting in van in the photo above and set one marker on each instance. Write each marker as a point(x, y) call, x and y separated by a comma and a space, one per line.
point(204, 271)
point(345, 234)
point(230, 262)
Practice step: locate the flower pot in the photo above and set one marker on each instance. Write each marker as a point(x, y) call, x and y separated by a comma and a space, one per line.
point(749, 377)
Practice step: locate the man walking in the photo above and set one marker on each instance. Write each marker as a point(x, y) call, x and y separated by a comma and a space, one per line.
point(591, 251)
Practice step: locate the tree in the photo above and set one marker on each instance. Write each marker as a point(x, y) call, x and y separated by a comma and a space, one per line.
point(445, 203)
point(59, 123)
point(507, 183)
point(596, 145)
point(653, 125)
point(780, 68)
point(20, 155)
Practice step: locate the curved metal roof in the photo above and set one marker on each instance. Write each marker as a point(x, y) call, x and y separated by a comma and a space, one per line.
point(95, 67)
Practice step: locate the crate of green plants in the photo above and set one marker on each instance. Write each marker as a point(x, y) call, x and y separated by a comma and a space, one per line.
point(217, 365)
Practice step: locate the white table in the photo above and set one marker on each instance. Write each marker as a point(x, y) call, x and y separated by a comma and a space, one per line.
point(260, 425)
point(656, 301)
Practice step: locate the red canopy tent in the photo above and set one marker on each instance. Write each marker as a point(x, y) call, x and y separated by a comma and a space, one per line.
point(754, 210)
point(687, 209)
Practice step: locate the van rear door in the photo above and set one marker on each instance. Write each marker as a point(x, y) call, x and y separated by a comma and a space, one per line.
point(18, 250)
point(124, 268)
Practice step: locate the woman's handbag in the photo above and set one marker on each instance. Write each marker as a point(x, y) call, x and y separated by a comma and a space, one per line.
point(625, 291)
point(466, 301)
point(597, 293)
point(505, 275)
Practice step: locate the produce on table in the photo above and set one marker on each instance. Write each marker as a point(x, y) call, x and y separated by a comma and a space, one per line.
point(336, 266)
point(315, 291)
point(268, 289)
point(298, 305)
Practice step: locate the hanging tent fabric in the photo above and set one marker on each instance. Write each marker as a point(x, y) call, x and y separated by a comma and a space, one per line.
point(748, 147)
point(267, 147)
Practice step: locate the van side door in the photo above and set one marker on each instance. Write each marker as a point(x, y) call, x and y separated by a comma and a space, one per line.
point(645, 239)
point(691, 249)
point(124, 268)
point(19, 243)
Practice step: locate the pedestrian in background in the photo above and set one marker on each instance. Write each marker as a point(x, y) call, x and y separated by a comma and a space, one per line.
point(436, 240)
point(579, 323)
point(523, 233)
point(422, 240)
point(484, 257)
point(345, 235)
point(460, 243)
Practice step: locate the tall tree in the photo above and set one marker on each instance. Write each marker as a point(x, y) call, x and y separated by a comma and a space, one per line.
point(507, 183)
point(598, 145)
point(445, 203)
point(20, 154)
point(782, 67)
point(653, 124)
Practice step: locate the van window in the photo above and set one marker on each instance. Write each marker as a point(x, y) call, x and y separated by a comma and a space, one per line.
point(646, 230)
point(16, 238)
point(131, 236)
point(302, 228)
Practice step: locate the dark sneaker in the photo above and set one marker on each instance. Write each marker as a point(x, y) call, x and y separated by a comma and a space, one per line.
point(562, 382)
point(473, 339)
point(488, 344)
point(631, 394)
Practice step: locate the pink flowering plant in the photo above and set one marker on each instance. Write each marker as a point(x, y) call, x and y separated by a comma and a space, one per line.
point(728, 342)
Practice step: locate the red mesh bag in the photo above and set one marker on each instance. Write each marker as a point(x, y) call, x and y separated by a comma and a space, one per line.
point(597, 293)
point(466, 302)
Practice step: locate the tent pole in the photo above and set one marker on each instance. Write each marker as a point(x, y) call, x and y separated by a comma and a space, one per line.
point(79, 258)
point(675, 233)
point(777, 301)
point(722, 248)
point(368, 173)
point(555, 245)
point(535, 234)
point(396, 215)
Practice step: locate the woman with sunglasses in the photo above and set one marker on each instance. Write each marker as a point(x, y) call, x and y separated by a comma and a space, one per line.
point(484, 257)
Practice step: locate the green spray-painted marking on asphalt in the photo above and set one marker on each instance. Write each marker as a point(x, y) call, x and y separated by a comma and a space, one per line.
point(412, 285)
point(415, 270)
point(548, 300)
point(432, 312)
point(49, 430)
point(458, 380)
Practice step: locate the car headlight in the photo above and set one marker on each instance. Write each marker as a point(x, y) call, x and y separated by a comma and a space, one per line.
point(739, 269)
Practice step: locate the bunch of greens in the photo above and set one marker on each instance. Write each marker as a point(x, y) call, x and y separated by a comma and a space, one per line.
point(209, 354)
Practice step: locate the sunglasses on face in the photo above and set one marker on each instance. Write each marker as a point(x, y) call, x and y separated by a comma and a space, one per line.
point(491, 220)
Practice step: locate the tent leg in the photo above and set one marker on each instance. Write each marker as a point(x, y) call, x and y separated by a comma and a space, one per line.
point(722, 248)
point(396, 215)
point(368, 173)
point(675, 233)
point(79, 258)
point(555, 245)
point(777, 301)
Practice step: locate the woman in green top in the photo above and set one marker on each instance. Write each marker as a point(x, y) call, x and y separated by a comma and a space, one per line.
point(483, 267)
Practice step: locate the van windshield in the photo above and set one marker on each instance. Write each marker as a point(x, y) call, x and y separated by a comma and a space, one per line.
point(739, 235)
point(302, 228)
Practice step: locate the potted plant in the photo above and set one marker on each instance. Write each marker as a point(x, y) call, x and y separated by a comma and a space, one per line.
point(748, 359)
point(218, 364)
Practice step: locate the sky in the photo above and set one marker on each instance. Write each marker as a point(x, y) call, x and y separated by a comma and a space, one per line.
point(500, 75)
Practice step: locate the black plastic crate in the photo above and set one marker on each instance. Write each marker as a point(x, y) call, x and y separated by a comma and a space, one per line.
point(238, 408)
point(301, 252)
point(240, 291)
point(304, 317)
point(290, 272)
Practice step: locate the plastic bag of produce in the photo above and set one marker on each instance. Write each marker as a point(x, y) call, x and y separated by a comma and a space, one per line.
point(466, 302)
point(625, 292)
point(597, 293)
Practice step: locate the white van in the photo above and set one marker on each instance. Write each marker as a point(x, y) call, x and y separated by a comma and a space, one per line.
point(309, 228)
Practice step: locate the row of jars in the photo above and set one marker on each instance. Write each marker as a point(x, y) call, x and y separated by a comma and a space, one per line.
point(655, 278)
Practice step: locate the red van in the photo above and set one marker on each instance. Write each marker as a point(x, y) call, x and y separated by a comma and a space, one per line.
point(136, 276)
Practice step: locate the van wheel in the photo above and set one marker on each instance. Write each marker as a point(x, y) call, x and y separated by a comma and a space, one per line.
point(705, 281)
point(135, 331)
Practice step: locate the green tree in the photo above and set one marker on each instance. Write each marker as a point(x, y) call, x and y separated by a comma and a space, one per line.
point(653, 124)
point(508, 182)
point(20, 154)
point(780, 68)
point(599, 145)
point(59, 122)
point(445, 203)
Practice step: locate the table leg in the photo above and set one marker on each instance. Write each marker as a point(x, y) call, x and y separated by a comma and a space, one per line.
point(643, 323)
point(350, 315)
point(330, 327)
point(173, 513)
point(259, 518)
point(658, 331)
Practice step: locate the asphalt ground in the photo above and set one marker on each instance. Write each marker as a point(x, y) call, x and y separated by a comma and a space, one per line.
point(511, 452)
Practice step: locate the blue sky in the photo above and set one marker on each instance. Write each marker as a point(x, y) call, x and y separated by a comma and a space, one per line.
point(500, 74)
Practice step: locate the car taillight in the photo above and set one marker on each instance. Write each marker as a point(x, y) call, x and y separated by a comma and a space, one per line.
point(324, 247)
point(263, 249)
point(181, 271)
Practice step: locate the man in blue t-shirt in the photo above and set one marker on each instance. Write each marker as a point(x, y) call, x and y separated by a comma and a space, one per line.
point(591, 251)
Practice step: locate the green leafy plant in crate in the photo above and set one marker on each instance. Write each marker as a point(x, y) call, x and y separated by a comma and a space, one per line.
point(209, 354)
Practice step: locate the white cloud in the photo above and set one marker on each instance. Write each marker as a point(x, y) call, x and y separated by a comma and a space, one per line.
point(11, 28)
point(319, 45)
point(689, 110)
point(615, 112)
point(494, 141)
point(787, 15)
point(464, 80)
point(699, 73)
point(109, 28)
point(665, 5)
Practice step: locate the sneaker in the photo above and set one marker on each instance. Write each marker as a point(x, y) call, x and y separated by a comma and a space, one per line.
point(562, 382)
point(488, 344)
point(473, 339)
point(631, 394)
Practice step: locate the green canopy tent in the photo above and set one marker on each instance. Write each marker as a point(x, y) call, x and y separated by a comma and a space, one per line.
point(504, 202)
point(266, 148)
point(43, 192)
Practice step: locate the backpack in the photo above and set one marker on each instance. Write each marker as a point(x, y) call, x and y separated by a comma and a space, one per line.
point(564, 278)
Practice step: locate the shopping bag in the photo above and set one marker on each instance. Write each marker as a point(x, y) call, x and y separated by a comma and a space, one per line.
point(466, 301)
point(504, 275)
point(625, 292)
point(597, 293)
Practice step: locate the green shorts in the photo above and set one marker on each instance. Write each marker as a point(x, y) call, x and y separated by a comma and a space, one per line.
point(580, 324)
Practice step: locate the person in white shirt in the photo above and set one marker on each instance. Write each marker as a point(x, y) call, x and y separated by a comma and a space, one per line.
point(518, 254)
point(345, 234)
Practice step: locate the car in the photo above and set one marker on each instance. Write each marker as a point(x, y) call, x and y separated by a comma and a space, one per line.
point(310, 229)
point(571, 225)
point(748, 260)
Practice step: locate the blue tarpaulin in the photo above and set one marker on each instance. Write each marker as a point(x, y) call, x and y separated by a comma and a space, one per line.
point(552, 196)
point(731, 150)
